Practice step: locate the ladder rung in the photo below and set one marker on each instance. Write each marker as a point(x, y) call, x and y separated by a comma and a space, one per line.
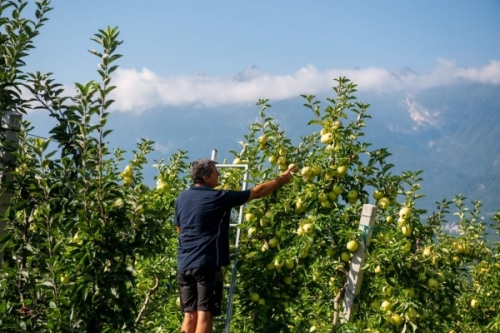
point(219, 319)
point(233, 224)
point(226, 287)
point(232, 255)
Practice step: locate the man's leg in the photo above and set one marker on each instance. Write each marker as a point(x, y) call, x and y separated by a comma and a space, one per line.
point(218, 291)
point(189, 297)
point(189, 323)
point(205, 279)
point(204, 323)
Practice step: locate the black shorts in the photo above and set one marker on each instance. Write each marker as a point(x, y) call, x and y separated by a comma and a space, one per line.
point(201, 289)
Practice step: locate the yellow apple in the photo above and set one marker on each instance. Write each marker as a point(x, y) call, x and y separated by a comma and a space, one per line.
point(326, 138)
point(307, 227)
point(262, 140)
point(396, 319)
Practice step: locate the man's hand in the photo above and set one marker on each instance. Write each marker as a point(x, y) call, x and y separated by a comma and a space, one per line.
point(267, 188)
point(287, 176)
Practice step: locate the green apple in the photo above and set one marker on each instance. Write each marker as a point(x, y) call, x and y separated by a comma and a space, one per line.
point(273, 159)
point(336, 125)
point(273, 242)
point(289, 264)
point(306, 172)
point(345, 256)
point(409, 292)
point(278, 262)
point(249, 217)
point(407, 246)
point(251, 231)
point(254, 297)
point(406, 230)
point(341, 171)
point(433, 284)
point(383, 203)
point(352, 195)
point(352, 245)
point(322, 197)
point(64, 278)
point(377, 194)
point(333, 197)
point(338, 189)
point(316, 169)
point(326, 204)
point(300, 231)
point(386, 305)
point(411, 314)
point(331, 172)
point(287, 280)
point(474, 303)
point(405, 213)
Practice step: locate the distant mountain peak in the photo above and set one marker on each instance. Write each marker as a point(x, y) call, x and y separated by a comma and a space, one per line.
point(404, 73)
point(247, 74)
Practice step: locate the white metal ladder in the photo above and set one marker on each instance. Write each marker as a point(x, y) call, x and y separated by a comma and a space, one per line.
point(230, 288)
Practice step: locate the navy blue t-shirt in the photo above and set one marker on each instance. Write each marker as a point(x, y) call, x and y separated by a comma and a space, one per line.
point(203, 215)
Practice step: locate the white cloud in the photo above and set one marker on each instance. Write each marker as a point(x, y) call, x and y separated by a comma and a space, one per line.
point(164, 148)
point(452, 228)
point(138, 91)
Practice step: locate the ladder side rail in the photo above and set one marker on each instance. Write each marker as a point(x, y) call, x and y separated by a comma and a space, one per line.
point(229, 310)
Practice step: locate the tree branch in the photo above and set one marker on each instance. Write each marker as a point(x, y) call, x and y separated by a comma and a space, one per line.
point(146, 300)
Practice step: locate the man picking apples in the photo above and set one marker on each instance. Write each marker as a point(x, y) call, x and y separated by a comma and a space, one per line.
point(202, 218)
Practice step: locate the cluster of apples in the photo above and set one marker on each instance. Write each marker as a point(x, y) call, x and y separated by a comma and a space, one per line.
point(127, 175)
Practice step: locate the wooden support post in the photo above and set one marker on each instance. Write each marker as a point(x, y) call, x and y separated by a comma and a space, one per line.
point(355, 278)
point(11, 123)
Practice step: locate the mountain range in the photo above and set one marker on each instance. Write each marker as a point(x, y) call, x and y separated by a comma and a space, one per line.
point(451, 132)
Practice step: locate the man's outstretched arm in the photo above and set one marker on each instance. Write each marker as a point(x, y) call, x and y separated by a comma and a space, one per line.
point(269, 187)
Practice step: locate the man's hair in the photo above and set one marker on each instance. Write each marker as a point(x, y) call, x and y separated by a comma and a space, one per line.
point(200, 168)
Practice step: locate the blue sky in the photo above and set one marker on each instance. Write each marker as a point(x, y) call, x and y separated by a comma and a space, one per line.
point(220, 57)
point(172, 43)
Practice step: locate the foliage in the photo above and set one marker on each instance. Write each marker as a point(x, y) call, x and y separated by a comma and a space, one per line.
point(90, 248)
